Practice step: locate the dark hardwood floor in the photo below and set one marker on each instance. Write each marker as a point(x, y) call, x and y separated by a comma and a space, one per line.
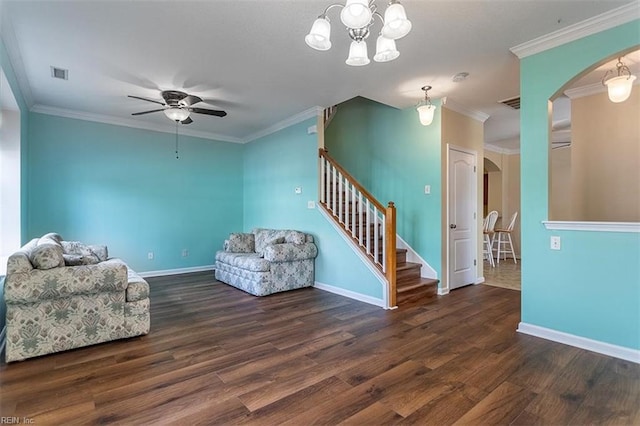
point(216, 355)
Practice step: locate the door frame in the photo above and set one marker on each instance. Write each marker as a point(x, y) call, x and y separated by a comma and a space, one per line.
point(474, 227)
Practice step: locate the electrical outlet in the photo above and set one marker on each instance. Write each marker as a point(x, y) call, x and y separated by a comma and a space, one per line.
point(185, 252)
point(298, 190)
point(427, 189)
point(555, 242)
point(311, 204)
point(150, 255)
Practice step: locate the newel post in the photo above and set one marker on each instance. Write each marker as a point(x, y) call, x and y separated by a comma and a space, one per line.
point(390, 252)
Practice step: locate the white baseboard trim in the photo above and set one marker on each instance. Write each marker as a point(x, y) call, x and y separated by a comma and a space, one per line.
point(177, 271)
point(351, 294)
point(615, 351)
point(443, 291)
point(3, 338)
point(479, 280)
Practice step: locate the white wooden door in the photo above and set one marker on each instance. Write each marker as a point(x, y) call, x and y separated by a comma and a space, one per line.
point(462, 229)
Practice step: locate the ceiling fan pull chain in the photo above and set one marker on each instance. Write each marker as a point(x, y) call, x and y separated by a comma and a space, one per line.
point(177, 156)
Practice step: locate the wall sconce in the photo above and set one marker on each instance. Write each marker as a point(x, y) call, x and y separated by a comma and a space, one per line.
point(425, 108)
point(619, 88)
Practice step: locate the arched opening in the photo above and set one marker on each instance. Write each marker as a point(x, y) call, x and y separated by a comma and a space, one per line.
point(595, 149)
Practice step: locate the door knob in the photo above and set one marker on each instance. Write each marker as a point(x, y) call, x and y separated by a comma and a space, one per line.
point(453, 226)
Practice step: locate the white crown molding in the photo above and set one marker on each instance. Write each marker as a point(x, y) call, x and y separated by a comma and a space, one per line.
point(596, 24)
point(592, 89)
point(287, 122)
point(178, 271)
point(628, 354)
point(350, 294)
point(471, 113)
point(631, 227)
point(500, 150)
point(11, 44)
point(127, 122)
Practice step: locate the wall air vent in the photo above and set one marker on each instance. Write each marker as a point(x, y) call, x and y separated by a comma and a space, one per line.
point(60, 73)
point(511, 102)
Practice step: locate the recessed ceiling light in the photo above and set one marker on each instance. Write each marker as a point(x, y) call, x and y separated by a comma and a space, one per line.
point(59, 73)
point(461, 76)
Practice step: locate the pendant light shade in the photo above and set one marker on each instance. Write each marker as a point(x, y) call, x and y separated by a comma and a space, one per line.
point(319, 36)
point(358, 55)
point(176, 114)
point(619, 88)
point(385, 50)
point(426, 114)
point(396, 24)
point(356, 14)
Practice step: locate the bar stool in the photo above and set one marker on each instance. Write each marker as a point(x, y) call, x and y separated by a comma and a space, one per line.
point(488, 233)
point(504, 238)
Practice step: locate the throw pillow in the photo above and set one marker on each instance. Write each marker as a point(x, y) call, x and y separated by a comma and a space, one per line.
point(77, 260)
point(296, 237)
point(76, 247)
point(241, 243)
point(47, 255)
point(101, 252)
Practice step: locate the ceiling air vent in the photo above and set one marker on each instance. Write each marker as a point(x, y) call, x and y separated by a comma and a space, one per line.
point(512, 102)
point(60, 73)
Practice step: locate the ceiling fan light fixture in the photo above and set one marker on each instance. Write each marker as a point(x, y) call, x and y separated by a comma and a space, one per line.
point(356, 13)
point(619, 87)
point(319, 36)
point(385, 49)
point(396, 24)
point(176, 113)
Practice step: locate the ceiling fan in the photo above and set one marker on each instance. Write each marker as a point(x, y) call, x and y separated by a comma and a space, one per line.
point(177, 106)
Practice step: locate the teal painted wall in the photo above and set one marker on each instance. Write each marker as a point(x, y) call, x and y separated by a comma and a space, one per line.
point(9, 72)
point(273, 167)
point(590, 288)
point(394, 157)
point(124, 187)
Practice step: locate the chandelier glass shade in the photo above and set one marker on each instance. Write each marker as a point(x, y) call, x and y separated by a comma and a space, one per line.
point(358, 16)
point(619, 87)
point(176, 113)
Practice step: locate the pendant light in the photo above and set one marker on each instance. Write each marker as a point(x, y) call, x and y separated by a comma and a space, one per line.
point(619, 87)
point(425, 108)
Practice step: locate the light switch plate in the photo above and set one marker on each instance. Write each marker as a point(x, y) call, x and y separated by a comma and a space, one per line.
point(298, 190)
point(427, 189)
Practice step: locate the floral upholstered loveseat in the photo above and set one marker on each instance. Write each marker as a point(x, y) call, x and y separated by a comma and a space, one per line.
point(267, 261)
point(62, 295)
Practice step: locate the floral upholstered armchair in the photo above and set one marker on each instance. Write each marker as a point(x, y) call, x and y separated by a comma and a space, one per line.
point(267, 261)
point(62, 295)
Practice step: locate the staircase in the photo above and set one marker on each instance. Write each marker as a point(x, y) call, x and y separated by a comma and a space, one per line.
point(372, 228)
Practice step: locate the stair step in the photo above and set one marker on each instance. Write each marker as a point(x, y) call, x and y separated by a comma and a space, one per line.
point(418, 295)
point(408, 270)
point(418, 284)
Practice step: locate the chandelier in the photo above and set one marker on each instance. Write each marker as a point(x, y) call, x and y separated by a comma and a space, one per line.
point(358, 16)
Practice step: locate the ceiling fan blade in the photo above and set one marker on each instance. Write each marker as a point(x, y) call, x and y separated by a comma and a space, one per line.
point(145, 99)
point(217, 113)
point(147, 112)
point(187, 120)
point(190, 100)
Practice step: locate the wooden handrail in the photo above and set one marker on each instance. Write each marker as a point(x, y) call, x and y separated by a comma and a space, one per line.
point(324, 153)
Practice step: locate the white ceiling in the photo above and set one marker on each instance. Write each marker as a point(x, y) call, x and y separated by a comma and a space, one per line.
point(249, 57)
